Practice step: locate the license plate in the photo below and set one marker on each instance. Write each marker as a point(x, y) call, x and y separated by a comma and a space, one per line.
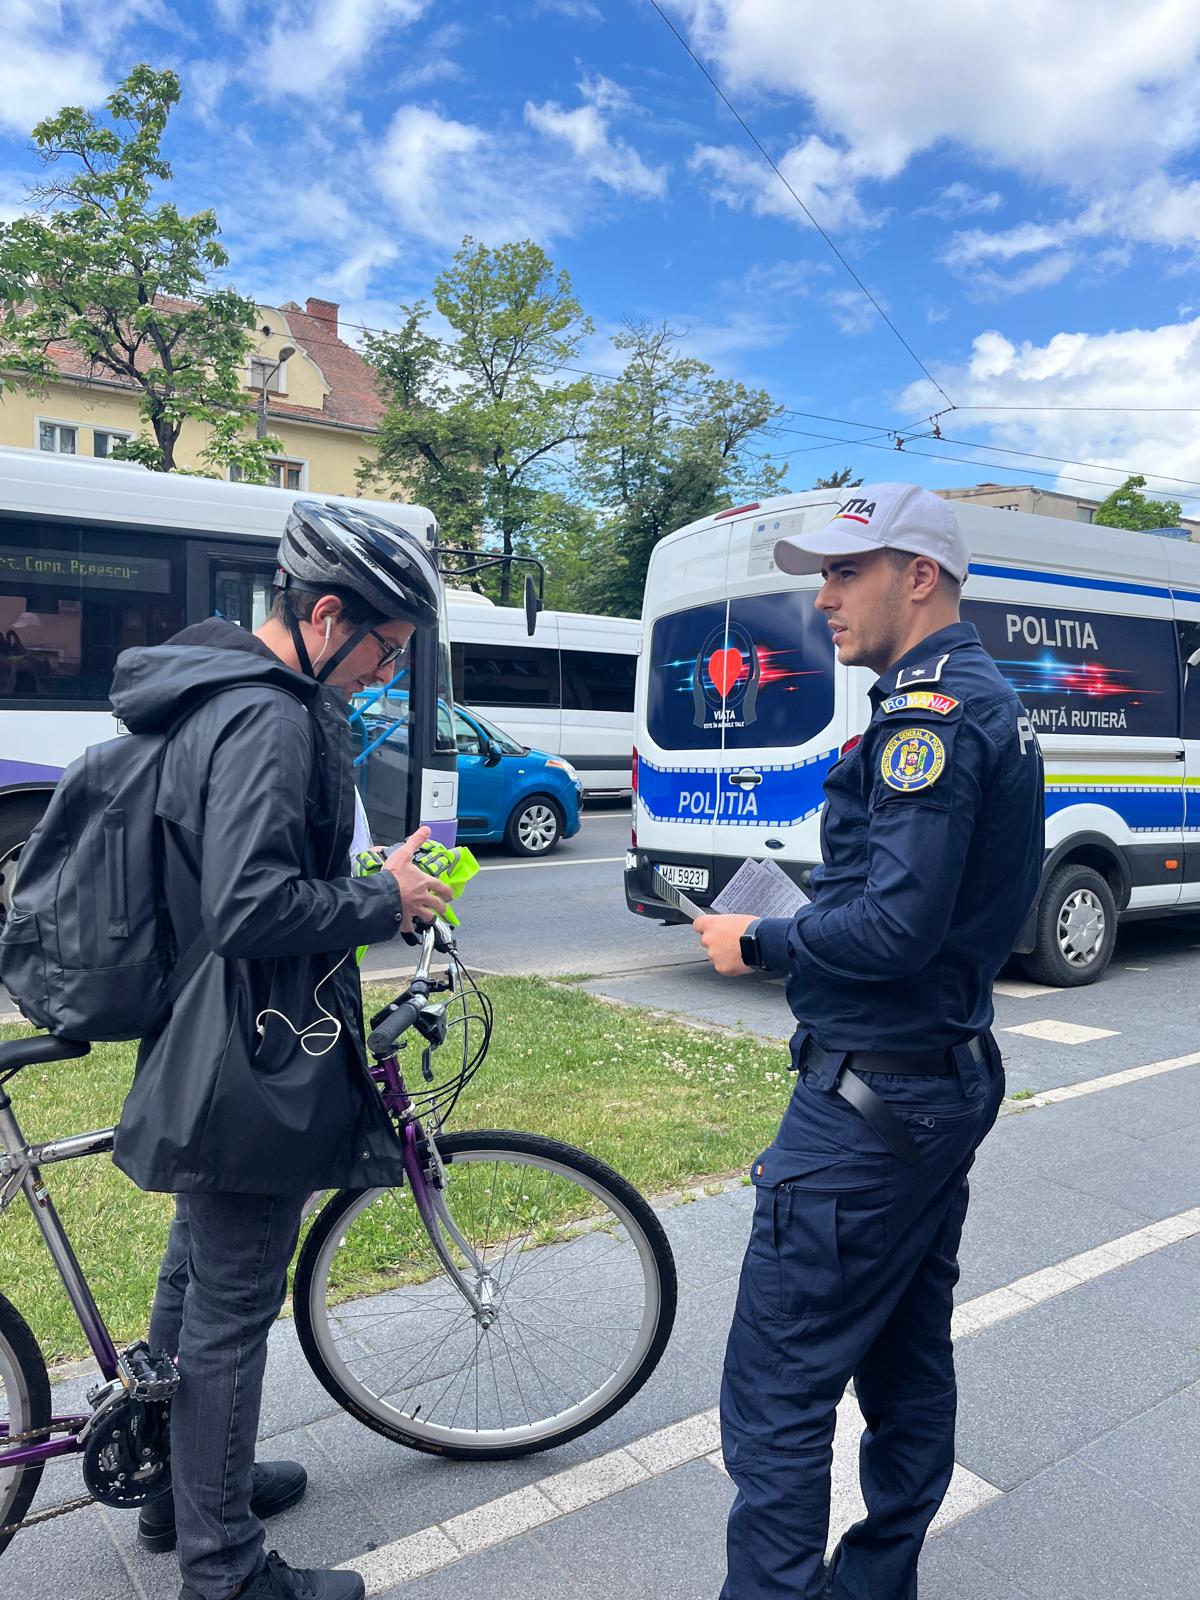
point(685, 877)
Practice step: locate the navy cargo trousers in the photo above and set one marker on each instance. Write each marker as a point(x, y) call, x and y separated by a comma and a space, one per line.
point(849, 1273)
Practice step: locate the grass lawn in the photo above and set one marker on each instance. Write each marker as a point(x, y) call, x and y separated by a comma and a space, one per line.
point(661, 1103)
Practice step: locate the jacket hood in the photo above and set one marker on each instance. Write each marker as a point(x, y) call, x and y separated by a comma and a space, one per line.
point(154, 685)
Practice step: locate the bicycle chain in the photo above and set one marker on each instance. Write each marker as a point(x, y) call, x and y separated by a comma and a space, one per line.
point(63, 1510)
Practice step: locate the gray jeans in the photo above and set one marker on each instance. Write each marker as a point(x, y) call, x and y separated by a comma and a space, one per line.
point(222, 1282)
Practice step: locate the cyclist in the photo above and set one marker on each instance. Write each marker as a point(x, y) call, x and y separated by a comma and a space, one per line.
point(255, 1092)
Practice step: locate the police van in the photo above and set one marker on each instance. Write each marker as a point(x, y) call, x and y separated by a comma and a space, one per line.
point(741, 708)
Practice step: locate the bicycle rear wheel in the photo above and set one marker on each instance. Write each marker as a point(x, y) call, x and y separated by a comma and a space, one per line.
point(582, 1288)
point(24, 1406)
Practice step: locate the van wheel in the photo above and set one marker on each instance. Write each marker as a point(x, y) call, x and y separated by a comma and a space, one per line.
point(17, 822)
point(535, 827)
point(1076, 929)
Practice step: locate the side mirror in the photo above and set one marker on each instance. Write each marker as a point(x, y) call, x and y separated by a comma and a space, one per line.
point(532, 606)
point(491, 753)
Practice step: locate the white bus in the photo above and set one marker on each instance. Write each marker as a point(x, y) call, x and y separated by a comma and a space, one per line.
point(568, 689)
point(742, 709)
point(96, 557)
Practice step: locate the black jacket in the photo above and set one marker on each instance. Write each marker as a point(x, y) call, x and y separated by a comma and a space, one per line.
point(256, 802)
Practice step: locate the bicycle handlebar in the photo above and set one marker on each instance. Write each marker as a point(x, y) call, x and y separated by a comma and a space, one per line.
point(435, 936)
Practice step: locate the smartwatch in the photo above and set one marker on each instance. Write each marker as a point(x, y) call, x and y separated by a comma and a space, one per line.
point(751, 951)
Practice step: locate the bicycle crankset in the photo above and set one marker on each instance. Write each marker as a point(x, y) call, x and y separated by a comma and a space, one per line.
point(127, 1441)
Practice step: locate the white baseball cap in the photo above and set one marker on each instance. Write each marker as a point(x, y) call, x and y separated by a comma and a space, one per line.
point(881, 516)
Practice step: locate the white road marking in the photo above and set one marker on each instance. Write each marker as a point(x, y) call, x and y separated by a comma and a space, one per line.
point(1113, 1080)
point(1137, 969)
point(1022, 991)
point(567, 861)
point(1062, 1032)
point(698, 1438)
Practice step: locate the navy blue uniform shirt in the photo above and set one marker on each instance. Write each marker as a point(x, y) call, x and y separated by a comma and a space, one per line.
point(932, 840)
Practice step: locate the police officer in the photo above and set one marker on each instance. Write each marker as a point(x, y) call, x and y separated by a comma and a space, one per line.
point(932, 842)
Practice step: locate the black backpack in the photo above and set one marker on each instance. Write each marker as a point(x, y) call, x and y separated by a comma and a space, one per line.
point(87, 950)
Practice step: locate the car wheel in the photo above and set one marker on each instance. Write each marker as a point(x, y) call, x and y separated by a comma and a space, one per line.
point(17, 822)
point(535, 827)
point(1076, 929)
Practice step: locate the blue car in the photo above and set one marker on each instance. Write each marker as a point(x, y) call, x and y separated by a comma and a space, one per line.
point(526, 798)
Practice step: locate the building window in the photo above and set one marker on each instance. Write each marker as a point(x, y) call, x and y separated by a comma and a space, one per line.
point(59, 438)
point(1084, 513)
point(280, 474)
point(104, 440)
point(275, 373)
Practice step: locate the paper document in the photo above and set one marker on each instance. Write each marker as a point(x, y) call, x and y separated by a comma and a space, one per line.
point(760, 889)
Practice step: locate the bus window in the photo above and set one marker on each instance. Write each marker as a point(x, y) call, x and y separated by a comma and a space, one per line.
point(594, 680)
point(71, 599)
point(506, 675)
point(242, 592)
point(1084, 671)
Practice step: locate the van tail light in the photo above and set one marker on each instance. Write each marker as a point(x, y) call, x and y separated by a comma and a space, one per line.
point(736, 511)
point(633, 778)
point(850, 743)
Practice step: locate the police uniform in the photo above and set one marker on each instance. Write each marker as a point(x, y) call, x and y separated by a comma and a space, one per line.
point(932, 843)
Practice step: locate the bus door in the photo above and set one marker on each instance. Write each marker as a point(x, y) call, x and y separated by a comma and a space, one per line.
point(684, 671)
point(781, 729)
point(234, 581)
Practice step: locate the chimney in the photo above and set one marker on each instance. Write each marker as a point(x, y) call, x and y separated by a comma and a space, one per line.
point(325, 312)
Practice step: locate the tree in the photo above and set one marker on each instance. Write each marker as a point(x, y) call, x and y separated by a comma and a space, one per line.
point(1126, 508)
point(126, 281)
point(838, 480)
point(669, 442)
point(481, 425)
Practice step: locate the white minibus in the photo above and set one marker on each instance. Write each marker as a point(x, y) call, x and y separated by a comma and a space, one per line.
point(568, 689)
point(742, 708)
point(96, 556)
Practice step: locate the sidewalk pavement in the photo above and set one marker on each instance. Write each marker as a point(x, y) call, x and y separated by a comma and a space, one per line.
point(1079, 1368)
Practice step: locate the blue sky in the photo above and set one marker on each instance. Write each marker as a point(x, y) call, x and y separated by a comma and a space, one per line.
point(1017, 184)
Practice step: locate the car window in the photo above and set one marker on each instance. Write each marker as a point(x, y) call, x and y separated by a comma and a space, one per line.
point(466, 737)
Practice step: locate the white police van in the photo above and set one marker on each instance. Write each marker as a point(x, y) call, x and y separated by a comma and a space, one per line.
point(741, 708)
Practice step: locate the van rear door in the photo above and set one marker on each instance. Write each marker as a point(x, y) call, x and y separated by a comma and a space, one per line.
point(683, 675)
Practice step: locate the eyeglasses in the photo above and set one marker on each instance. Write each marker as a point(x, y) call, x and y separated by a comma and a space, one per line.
point(389, 653)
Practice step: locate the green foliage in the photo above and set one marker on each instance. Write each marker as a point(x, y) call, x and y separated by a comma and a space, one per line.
point(125, 280)
point(480, 424)
point(1126, 508)
point(838, 480)
point(669, 442)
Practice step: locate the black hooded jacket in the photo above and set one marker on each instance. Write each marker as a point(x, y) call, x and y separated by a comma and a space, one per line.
point(257, 808)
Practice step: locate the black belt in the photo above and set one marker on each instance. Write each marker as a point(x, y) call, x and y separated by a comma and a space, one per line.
point(872, 1109)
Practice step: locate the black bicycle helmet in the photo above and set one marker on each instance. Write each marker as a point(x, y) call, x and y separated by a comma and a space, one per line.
point(330, 546)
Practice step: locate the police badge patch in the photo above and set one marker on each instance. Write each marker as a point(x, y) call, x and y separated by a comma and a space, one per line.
point(912, 759)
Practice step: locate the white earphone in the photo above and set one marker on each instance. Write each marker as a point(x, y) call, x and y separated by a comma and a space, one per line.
point(325, 646)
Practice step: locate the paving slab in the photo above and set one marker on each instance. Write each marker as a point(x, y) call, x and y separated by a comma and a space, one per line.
point(519, 1569)
point(1155, 1456)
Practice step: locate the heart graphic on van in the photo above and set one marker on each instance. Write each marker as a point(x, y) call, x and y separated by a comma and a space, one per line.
point(725, 668)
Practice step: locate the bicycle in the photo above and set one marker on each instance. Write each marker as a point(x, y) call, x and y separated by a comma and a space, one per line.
point(461, 1294)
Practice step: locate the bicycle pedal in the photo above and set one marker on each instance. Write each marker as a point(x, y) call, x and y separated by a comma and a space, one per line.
point(147, 1374)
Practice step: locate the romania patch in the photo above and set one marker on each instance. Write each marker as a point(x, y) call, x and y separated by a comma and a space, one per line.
point(914, 759)
point(920, 700)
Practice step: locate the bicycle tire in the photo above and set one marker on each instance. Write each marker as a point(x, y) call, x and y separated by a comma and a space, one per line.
point(24, 1405)
point(630, 1210)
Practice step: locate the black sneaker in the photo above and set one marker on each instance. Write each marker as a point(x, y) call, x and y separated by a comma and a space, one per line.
point(275, 1580)
point(275, 1486)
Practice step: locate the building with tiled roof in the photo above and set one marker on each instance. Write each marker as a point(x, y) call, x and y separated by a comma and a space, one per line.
point(320, 402)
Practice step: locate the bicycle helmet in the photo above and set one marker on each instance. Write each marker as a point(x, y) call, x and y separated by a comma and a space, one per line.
point(338, 548)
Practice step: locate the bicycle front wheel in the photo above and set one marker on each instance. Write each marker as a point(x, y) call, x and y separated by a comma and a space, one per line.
point(574, 1273)
point(24, 1407)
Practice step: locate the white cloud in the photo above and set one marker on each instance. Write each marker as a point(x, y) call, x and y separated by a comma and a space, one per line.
point(852, 311)
point(314, 43)
point(963, 200)
point(43, 66)
point(1096, 96)
point(825, 178)
point(585, 129)
point(445, 179)
point(1124, 369)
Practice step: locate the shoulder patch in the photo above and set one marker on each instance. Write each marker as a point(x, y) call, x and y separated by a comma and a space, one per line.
point(927, 672)
point(920, 700)
point(912, 759)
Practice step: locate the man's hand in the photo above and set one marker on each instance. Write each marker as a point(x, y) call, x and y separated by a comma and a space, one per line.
point(421, 897)
point(721, 938)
